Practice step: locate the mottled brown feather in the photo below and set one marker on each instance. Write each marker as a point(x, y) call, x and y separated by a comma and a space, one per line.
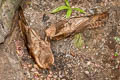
point(76, 25)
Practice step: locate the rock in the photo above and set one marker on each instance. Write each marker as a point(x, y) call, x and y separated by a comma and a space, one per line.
point(0, 2)
point(55, 76)
point(2, 33)
point(8, 71)
point(10, 68)
point(7, 11)
point(87, 72)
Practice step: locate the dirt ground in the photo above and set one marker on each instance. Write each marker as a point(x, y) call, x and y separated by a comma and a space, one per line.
point(95, 60)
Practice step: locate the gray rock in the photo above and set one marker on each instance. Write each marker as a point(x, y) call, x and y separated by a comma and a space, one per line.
point(3, 33)
point(0, 2)
point(10, 68)
point(7, 11)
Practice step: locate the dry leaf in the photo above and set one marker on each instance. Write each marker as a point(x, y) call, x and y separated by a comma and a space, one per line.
point(51, 31)
point(55, 28)
point(38, 48)
point(98, 20)
point(74, 26)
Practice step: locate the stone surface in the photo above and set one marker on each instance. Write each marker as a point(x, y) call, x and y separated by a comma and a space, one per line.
point(7, 11)
point(10, 68)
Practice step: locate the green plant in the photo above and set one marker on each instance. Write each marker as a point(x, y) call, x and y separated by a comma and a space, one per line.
point(117, 39)
point(68, 8)
point(115, 54)
point(78, 41)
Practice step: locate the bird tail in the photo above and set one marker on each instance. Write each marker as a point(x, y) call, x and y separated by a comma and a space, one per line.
point(98, 20)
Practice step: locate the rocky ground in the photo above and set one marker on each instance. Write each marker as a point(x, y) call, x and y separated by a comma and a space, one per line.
point(95, 60)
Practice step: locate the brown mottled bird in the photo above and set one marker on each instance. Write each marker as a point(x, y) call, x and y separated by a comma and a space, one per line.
point(38, 48)
point(63, 29)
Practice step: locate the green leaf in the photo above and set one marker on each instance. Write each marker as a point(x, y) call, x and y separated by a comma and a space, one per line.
point(78, 9)
point(67, 3)
point(59, 9)
point(78, 41)
point(117, 39)
point(115, 54)
point(69, 12)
